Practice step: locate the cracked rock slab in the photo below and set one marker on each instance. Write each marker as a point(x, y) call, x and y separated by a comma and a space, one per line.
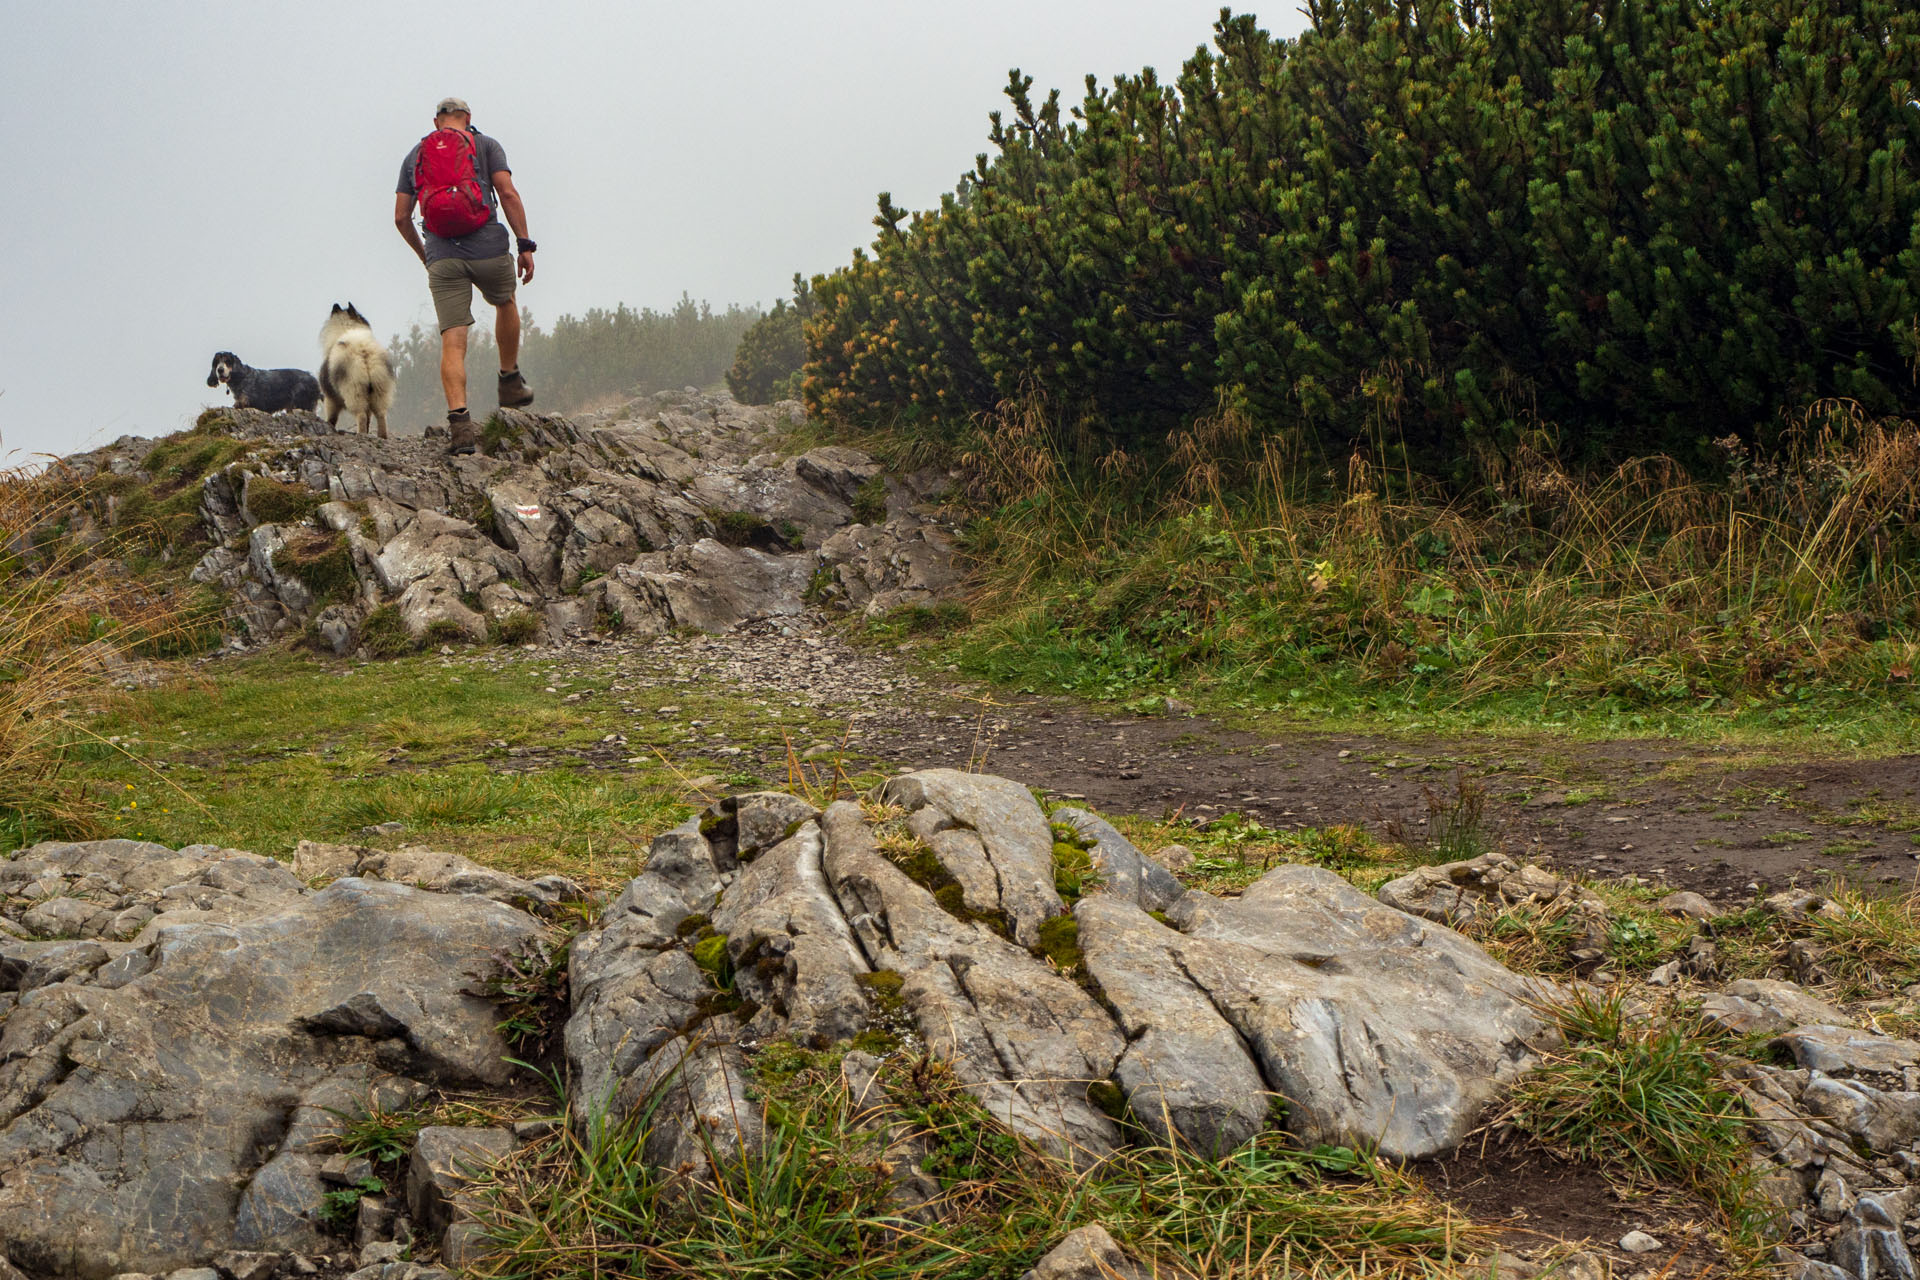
point(1372, 1025)
point(152, 1126)
point(1013, 835)
point(1026, 1042)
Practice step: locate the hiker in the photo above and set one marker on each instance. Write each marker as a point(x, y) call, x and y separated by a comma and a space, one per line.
point(458, 176)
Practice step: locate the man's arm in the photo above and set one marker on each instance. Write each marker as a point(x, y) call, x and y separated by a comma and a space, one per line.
point(403, 220)
point(516, 215)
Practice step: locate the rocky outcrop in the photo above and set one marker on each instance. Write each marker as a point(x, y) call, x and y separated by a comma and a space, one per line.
point(1303, 1001)
point(183, 1033)
point(166, 1095)
point(671, 512)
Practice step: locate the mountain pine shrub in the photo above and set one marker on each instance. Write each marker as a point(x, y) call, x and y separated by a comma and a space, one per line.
point(766, 368)
point(1442, 229)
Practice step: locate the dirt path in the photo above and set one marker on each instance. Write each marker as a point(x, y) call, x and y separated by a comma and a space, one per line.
point(1715, 820)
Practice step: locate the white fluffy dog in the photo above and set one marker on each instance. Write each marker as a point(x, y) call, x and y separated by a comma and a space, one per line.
point(356, 373)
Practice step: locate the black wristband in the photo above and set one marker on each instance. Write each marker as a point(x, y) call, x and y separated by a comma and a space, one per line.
point(528, 246)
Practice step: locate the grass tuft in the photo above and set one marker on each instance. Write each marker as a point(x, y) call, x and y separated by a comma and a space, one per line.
point(815, 1200)
point(517, 627)
point(1644, 1098)
point(384, 634)
point(270, 501)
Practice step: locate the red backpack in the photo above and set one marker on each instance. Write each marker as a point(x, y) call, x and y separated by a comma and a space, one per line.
point(446, 181)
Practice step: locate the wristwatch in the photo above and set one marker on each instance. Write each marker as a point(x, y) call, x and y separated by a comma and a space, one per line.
point(527, 246)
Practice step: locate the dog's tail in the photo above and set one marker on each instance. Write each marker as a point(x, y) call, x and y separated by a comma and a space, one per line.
point(362, 372)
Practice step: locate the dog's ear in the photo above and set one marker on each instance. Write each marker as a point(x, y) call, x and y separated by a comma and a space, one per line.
point(212, 381)
point(336, 308)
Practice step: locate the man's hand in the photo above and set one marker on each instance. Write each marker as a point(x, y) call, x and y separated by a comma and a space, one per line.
point(526, 268)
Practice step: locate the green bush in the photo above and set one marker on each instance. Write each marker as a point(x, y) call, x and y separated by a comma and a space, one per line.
point(1624, 227)
point(766, 367)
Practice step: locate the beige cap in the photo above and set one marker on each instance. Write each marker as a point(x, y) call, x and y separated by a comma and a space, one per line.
point(450, 105)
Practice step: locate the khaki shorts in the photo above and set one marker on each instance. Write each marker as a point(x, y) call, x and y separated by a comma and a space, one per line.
point(452, 282)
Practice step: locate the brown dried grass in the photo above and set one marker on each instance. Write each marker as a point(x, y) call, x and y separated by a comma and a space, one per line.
point(70, 621)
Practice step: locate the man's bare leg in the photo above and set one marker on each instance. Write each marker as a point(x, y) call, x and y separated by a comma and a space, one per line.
point(453, 365)
point(506, 335)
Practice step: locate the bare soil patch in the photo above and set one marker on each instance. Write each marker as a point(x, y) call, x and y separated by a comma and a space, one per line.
point(1534, 1199)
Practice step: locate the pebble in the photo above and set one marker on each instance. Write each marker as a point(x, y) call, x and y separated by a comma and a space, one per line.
point(1639, 1242)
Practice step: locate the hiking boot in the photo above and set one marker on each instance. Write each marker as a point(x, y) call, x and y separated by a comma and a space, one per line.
point(462, 435)
point(514, 391)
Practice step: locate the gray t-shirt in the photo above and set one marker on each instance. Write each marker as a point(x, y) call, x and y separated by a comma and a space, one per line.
point(489, 241)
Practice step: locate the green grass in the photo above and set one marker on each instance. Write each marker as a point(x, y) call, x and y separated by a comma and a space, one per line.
point(1036, 652)
point(813, 1201)
point(1645, 1099)
point(1264, 586)
point(264, 752)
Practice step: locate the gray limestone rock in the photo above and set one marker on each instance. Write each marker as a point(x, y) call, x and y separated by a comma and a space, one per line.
point(634, 987)
point(1188, 1074)
point(1123, 870)
point(1870, 1245)
point(792, 951)
point(1027, 1042)
point(1789, 1002)
point(1013, 835)
point(1688, 904)
point(633, 497)
point(444, 1161)
point(1843, 1049)
point(1372, 1025)
point(254, 1023)
point(1458, 893)
point(1087, 1254)
point(1885, 1120)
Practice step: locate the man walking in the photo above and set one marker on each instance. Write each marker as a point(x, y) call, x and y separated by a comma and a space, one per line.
point(459, 176)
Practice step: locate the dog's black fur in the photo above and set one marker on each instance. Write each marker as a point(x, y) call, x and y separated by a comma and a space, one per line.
point(270, 390)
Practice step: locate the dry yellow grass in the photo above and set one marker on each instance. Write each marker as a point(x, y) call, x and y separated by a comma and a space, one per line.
point(69, 621)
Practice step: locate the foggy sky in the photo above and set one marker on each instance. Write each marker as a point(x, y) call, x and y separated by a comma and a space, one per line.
point(184, 177)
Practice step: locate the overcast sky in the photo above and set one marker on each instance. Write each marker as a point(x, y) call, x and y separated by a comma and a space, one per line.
point(190, 177)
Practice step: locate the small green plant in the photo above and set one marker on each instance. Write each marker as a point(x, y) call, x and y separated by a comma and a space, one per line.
point(1060, 942)
point(384, 634)
point(710, 953)
point(383, 1137)
point(339, 1207)
point(1072, 866)
point(530, 988)
point(516, 627)
point(870, 501)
